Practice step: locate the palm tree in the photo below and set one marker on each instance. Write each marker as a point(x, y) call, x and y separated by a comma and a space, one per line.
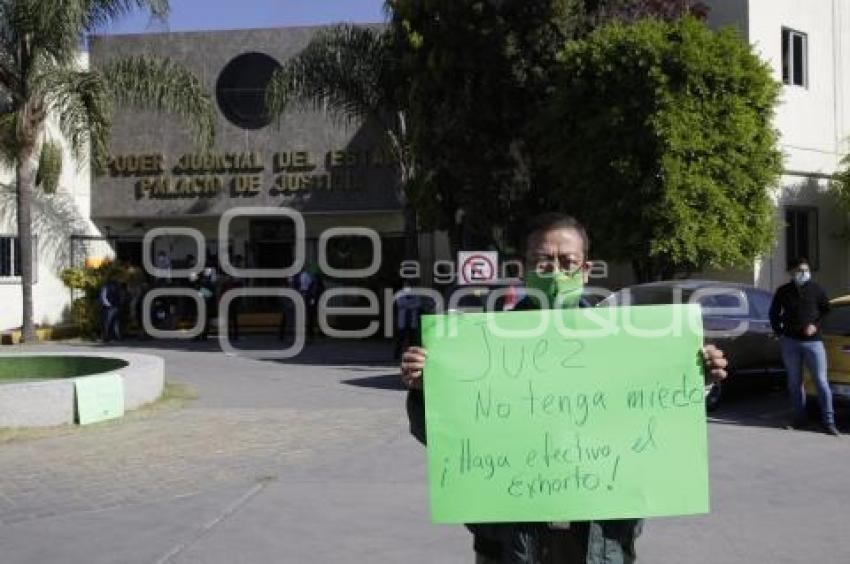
point(354, 73)
point(40, 76)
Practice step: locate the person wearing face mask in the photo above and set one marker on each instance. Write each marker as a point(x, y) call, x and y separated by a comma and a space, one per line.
point(555, 275)
point(795, 314)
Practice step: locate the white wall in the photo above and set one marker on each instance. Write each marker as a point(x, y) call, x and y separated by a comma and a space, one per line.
point(813, 122)
point(808, 119)
point(832, 236)
point(50, 296)
point(813, 125)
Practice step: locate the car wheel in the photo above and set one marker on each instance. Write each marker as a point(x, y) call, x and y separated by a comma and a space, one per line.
point(712, 397)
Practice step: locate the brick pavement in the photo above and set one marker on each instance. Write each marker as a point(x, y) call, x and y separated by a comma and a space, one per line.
point(169, 455)
point(189, 486)
point(181, 452)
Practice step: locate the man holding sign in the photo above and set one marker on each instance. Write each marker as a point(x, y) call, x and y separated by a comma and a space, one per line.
point(509, 460)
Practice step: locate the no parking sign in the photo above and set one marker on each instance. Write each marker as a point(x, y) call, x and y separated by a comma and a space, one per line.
point(477, 267)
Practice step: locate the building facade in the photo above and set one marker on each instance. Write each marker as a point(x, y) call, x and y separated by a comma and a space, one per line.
point(335, 173)
point(807, 44)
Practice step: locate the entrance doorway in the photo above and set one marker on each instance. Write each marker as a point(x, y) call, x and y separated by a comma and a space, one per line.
point(270, 243)
point(129, 252)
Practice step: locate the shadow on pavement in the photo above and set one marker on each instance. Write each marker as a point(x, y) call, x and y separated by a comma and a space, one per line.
point(752, 408)
point(770, 409)
point(318, 351)
point(384, 382)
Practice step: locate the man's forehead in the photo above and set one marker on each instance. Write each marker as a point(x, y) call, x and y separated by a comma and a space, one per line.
point(565, 239)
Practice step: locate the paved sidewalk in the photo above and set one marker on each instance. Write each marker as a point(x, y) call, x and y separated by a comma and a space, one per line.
point(316, 445)
point(309, 460)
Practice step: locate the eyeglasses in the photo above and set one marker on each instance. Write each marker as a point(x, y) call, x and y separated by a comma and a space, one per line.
point(543, 264)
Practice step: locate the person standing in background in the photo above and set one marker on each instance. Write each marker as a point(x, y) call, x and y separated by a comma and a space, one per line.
point(207, 289)
point(109, 299)
point(163, 262)
point(303, 284)
point(795, 315)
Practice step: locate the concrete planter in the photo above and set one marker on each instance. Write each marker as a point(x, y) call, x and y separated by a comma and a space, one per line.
point(49, 403)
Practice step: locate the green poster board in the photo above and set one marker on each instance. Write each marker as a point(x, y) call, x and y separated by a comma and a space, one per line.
point(562, 415)
point(99, 398)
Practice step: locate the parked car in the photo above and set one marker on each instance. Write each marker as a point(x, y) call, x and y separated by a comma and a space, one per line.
point(835, 328)
point(735, 318)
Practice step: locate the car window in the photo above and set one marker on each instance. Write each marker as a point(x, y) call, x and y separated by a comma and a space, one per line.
point(720, 300)
point(837, 321)
point(724, 302)
point(660, 295)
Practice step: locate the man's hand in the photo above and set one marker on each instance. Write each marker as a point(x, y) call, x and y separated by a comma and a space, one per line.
point(810, 330)
point(715, 364)
point(412, 365)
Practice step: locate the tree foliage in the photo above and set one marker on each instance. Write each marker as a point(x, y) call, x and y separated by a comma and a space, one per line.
point(40, 76)
point(354, 73)
point(659, 135)
point(349, 70)
point(839, 188)
point(49, 167)
point(85, 310)
point(479, 70)
point(600, 12)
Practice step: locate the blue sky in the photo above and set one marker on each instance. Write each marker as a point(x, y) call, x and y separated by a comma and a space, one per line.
point(193, 15)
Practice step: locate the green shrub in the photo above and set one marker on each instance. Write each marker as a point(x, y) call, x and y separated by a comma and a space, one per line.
point(85, 310)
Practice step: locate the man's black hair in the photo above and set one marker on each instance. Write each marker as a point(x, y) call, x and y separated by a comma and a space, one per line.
point(796, 262)
point(555, 220)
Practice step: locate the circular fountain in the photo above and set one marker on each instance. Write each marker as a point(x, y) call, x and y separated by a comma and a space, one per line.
point(38, 390)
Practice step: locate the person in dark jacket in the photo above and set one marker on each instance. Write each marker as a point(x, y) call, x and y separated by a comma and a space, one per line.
point(556, 251)
point(205, 284)
point(795, 314)
point(110, 303)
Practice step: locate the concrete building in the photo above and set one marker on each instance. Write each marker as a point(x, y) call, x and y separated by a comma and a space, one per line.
point(334, 172)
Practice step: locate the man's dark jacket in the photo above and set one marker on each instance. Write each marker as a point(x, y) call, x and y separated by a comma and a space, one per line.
point(796, 306)
point(597, 542)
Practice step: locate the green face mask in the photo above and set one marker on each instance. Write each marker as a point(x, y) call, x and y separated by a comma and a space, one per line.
point(559, 287)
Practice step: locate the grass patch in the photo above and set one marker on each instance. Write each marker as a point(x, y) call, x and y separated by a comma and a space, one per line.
point(22, 368)
point(174, 396)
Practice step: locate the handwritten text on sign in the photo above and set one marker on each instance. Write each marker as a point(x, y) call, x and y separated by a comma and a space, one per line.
point(571, 415)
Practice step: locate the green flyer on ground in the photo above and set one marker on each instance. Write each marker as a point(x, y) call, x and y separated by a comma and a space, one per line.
point(99, 398)
point(561, 415)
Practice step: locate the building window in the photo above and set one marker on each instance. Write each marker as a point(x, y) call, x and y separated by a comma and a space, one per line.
point(801, 235)
point(241, 89)
point(10, 265)
point(795, 58)
point(10, 259)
